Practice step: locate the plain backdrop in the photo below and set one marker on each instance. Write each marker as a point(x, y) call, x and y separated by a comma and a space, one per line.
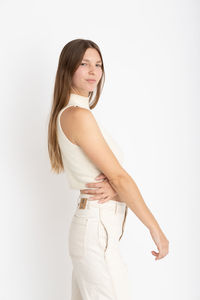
point(150, 105)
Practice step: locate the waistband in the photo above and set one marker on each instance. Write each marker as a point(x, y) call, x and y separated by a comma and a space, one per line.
point(84, 203)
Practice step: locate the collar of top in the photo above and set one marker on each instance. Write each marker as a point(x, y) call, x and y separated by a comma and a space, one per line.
point(79, 100)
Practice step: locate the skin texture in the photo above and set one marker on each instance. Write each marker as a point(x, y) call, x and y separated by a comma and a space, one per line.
point(103, 191)
point(114, 180)
point(90, 68)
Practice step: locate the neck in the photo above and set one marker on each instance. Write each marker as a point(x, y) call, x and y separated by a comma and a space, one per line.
point(79, 100)
point(80, 93)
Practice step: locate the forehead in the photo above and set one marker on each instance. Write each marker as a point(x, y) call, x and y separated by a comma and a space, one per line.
point(92, 55)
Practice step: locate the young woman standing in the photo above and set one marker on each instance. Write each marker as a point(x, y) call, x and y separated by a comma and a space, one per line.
point(83, 149)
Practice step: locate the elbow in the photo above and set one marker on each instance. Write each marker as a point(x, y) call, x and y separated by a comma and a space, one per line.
point(120, 181)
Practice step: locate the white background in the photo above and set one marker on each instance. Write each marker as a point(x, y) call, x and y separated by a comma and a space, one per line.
point(150, 104)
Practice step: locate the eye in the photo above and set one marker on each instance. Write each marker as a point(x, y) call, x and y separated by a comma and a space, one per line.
point(96, 64)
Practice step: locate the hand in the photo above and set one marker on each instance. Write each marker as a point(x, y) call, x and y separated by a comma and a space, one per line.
point(161, 242)
point(104, 191)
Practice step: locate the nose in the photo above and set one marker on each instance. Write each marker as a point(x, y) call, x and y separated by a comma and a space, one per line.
point(91, 69)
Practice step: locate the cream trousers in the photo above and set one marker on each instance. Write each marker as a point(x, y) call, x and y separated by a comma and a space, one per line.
point(99, 272)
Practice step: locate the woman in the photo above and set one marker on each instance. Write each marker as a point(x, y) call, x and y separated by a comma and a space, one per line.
point(79, 147)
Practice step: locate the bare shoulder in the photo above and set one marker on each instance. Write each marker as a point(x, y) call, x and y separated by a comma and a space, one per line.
point(87, 135)
point(84, 117)
point(71, 115)
point(67, 120)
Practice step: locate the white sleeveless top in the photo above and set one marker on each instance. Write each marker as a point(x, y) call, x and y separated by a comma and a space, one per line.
point(78, 167)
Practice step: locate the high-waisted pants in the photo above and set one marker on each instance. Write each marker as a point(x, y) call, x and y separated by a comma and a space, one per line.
point(99, 271)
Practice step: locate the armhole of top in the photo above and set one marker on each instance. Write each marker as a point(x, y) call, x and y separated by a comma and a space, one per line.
point(65, 137)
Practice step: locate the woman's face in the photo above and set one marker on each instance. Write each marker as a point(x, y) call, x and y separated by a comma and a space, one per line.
point(90, 68)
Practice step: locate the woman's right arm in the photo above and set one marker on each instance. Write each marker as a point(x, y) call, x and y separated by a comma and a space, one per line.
point(88, 136)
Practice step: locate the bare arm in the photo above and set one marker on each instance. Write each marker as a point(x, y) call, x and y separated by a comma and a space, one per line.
point(128, 191)
point(88, 136)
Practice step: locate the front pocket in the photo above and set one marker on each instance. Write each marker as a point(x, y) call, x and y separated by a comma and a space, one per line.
point(77, 236)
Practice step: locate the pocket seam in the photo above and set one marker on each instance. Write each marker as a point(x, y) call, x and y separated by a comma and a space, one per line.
point(105, 230)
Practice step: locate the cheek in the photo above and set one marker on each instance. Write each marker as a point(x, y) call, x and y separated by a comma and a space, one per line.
point(100, 74)
point(79, 76)
point(81, 72)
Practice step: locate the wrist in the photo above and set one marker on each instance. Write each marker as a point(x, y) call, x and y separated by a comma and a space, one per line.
point(155, 228)
point(116, 197)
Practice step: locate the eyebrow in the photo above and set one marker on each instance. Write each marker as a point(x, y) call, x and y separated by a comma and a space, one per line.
point(89, 60)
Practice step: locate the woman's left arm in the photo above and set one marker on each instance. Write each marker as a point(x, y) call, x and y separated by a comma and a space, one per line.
point(103, 192)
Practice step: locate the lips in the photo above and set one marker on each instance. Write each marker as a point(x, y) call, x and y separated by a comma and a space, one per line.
point(91, 80)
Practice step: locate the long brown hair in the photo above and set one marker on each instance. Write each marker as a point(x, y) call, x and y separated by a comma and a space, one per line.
point(69, 60)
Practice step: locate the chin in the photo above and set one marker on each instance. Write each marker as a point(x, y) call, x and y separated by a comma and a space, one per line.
point(90, 90)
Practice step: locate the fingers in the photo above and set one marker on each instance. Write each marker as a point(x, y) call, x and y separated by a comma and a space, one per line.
point(101, 197)
point(92, 192)
point(104, 200)
point(97, 184)
point(101, 176)
point(159, 255)
point(94, 184)
point(99, 189)
point(155, 254)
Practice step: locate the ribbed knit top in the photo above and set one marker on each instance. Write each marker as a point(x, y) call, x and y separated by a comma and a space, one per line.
point(78, 167)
